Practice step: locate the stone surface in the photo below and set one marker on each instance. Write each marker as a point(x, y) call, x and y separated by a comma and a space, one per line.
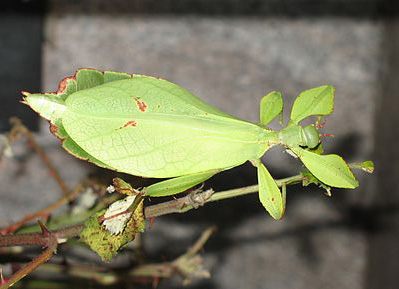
point(231, 63)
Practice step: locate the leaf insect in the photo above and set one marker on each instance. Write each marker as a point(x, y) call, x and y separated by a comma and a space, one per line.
point(150, 127)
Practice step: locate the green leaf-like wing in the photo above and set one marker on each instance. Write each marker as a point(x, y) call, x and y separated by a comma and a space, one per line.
point(150, 127)
point(271, 106)
point(269, 193)
point(315, 101)
point(329, 169)
point(52, 106)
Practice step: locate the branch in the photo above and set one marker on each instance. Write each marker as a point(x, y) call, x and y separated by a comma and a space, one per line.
point(188, 265)
point(47, 239)
point(191, 201)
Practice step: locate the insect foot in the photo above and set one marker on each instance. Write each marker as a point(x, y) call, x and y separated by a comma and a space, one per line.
point(198, 198)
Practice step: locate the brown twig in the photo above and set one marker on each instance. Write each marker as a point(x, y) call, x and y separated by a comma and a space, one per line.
point(46, 239)
point(188, 265)
point(19, 129)
point(188, 202)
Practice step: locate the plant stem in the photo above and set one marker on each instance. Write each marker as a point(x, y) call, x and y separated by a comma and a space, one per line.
point(186, 203)
point(39, 239)
point(46, 239)
point(139, 273)
point(180, 205)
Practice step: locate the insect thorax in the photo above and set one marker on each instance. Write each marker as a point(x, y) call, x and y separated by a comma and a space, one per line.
point(297, 135)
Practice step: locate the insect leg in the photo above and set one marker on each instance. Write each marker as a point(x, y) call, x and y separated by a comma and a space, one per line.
point(178, 184)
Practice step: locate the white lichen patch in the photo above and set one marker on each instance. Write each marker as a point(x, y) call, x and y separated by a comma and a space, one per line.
point(110, 189)
point(114, 218)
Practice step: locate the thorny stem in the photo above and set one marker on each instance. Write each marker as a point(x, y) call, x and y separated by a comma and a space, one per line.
point(179, 205)
point(183, 204)
point(17, 129)
point(187, 203)
point(28, 268)
point(140, 273)
point(46, 239)
point(39, 239)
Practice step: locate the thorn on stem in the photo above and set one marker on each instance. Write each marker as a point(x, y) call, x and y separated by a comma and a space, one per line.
point(45, 231)
point(3, 280)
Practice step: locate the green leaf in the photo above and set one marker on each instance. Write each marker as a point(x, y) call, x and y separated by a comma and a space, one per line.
point(123, 187)
point(329, 169)
point(269, 193)
point(103, 242)
point(271, 106)
point(315, 101)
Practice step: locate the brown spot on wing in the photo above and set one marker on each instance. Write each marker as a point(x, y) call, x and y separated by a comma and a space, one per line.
point(63, 84)
point(54, 129)
point(130, 123)
point(141, 104)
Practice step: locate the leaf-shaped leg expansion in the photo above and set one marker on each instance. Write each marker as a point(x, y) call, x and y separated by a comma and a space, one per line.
point(329, 169)
point(178, 184)
point(269, 193)
point(315, 101)
point(271, 106)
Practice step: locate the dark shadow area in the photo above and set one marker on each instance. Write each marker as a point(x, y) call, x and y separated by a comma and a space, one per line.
point(226, 8)
point(20, 58)
point(383, 259)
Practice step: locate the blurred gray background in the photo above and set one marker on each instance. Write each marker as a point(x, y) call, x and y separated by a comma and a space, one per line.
point(231, 53)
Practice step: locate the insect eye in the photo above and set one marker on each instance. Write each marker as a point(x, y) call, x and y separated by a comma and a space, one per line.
point(310, 136)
